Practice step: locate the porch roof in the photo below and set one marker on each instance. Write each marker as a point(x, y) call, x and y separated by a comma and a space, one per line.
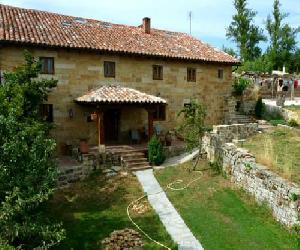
point(118, 94)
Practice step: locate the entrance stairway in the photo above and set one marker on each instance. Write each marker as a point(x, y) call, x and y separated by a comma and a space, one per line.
point(132, 157)
point(240, 119)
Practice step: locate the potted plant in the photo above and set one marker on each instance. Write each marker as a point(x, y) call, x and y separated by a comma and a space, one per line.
point(84, 146)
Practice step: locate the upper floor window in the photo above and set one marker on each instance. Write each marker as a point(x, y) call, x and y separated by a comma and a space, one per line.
point(220, 73)
point(47, 65)
point(157, 72)
point(191, 74)
point(109, 69)
point(46, 112)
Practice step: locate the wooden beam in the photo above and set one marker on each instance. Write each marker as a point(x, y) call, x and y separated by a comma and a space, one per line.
point(150, 123)
point(100, 127)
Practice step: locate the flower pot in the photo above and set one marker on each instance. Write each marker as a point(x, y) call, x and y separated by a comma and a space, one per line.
point(84, 147)
point(93, 116)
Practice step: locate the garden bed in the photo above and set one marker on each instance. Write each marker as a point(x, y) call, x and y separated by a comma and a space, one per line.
point(222, 216)
point(278, 149)
point(90, 210)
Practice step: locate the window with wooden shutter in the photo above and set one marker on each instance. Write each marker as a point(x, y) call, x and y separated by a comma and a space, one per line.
point(109, 69)
point(191, 74)
point(157, 72)
point(220, 73)
point(159, 113)
point(47, 65)
point(46, 112)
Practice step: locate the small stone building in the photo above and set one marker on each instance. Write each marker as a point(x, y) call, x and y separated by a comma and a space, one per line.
point(115, 82)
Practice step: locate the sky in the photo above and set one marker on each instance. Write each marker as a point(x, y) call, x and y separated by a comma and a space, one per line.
point(209, 17)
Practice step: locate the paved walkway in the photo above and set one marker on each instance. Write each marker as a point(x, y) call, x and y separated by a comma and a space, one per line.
point(168, 215)
point(180, 159)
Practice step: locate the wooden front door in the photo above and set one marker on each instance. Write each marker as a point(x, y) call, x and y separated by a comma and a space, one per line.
point(111, 125)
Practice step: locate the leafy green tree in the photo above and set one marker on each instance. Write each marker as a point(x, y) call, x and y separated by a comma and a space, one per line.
point(192, 127)
point(27, 168)
point(244, 32)
point(295, 62)
point(230, 51)
point(282, 38)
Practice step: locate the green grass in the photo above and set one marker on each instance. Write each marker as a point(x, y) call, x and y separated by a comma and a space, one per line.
point(294, 108)
point(279, 149)
point(92, 209)
point(222, 217)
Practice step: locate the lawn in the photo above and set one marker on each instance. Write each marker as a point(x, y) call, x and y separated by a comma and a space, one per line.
point(279, 149)
point(92, 209)
point(294, 108)
point(221, 216)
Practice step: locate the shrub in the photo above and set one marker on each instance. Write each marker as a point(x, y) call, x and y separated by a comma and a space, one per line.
point(276, 122)
point(239, 85)
point(292, 122)
point(259, 107)
point(156, 153)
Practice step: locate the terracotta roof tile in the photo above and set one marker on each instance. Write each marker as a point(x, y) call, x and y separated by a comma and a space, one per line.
point(50, 29)
point(118, 94)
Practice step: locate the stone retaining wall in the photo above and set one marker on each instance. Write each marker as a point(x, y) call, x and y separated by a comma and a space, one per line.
point(281, 196)
point(285, 113)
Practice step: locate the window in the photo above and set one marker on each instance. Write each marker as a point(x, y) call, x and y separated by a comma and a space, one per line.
point(220, 73)
point(47, 65)
point(109, 69)
point(157, 72)
point(46, 112)
point(159, 113)
point(191, 74)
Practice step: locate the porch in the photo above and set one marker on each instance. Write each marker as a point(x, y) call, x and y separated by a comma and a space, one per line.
point(122, 115)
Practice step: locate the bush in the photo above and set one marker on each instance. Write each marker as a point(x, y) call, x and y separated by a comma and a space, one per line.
point(259, 107)
point(276, 122)
point(156, 153)
point(292, 122)
point(239, 85)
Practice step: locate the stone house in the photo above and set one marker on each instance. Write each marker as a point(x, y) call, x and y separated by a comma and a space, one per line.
point(115, 82)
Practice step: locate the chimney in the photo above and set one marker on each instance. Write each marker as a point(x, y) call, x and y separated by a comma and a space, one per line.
point(146, 25)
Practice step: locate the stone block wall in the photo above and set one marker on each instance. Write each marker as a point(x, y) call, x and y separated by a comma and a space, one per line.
point(281, 196)
point(79, 71)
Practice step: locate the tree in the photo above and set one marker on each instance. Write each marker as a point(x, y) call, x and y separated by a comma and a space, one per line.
point(230, 51)
point(244, 32)
point(295, 62)
point(192, 127)
point(282, 38)
point(27, 168)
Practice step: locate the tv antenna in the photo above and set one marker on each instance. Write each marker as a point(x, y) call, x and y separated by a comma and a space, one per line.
point(190, 19)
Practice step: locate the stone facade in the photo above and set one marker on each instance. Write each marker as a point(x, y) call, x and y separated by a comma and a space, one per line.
point(79, 71)
point(281, 196)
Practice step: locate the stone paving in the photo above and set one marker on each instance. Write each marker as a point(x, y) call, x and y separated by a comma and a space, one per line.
point(168, 215)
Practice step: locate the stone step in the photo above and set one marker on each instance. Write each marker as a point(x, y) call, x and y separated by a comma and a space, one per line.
point(133, 160)
point(136, 164)
point(128, 156)
point(140, 168)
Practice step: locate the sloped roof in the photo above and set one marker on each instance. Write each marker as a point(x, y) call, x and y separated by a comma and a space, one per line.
point(119, 94)
point(35, 27)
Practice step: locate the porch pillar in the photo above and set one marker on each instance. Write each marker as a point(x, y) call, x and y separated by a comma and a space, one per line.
point(100, 127)
point(150, 123)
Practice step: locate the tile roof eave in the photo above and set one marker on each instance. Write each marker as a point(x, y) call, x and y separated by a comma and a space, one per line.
point(143, 54)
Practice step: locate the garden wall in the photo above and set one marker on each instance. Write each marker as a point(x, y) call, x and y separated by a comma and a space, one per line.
point(285, 113)
point(281, 196)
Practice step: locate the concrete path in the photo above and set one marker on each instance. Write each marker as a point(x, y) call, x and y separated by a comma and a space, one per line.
point(168, 215)
point(180, 159)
